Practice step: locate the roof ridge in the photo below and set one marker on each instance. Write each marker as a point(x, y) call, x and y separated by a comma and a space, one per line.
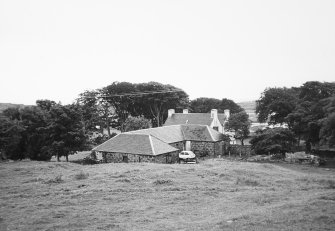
point(182, 131)
point(190, 113)
point(210, 133)
point(152, 145)
point(134, 131)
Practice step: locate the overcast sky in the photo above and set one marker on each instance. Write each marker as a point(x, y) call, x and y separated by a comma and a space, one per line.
point(221, 49)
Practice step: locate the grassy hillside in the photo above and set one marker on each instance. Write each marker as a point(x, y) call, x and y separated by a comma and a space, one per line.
point(213, 195)
point(250, 108)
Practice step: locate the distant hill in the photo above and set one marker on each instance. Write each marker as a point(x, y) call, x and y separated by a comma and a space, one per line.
point(4, 106)
point(250, 108)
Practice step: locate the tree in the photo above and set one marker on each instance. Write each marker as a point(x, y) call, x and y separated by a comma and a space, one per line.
point(240, 124)
point(35, 136)
point(10, 137)
point(30, 137)
point(67, 135)
point(231, 105)
point(45, 104)
point(118, 96)
point(158, 100)
point(273, 141)
point(275, 104)
point(205, 105)
point(327, 130)
point(309, 118)
point(136, 123)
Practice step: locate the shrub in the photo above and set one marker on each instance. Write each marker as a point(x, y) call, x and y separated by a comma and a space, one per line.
point(81, 176)
point(247, 182)
point(273, 141)
point(58, 179)
point(160, 182)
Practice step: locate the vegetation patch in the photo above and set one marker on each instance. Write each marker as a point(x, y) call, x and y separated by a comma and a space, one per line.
point(162, 181)
point(58, 179)
point(247, 182)
point(329, 184)
point(124, 180)
point(81, 176)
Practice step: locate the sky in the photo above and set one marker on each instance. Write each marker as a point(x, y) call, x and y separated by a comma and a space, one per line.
point(215, 48)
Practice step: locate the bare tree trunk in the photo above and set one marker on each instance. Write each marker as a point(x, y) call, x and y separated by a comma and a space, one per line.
point(58, 158)
point(107, 126)
point(67, 158)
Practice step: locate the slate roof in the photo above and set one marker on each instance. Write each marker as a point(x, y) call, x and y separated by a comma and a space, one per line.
point(155, 141)
point(177, 133)
point(193, 118)
point(200, 133)
point(141, 144)
point(168, 134)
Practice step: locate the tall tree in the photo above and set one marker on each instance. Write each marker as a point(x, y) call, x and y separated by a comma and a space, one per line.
point(136, 123)
point(275, 104)
point(119, 96)
point(327, 130)
point(158, 99)
point(205, 105)
point(89, 107)
point(67, 135)
point(10, 138)
point(240, 124)
point(310, 113)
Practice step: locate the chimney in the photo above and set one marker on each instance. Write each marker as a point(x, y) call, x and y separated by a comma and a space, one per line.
point(214, 113)
point(170, 112)
point(227, 113)
point(185, 111)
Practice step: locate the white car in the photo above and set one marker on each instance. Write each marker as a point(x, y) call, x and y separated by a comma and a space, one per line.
point(187, 157)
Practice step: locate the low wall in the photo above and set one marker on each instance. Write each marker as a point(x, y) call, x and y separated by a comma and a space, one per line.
point(116, 157)
point(241, 150)
point(202, 149)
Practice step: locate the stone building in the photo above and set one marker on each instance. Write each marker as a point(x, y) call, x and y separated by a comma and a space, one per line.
point(161, 144)
point(214, 119)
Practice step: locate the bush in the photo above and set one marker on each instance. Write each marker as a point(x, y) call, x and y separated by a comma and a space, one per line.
point(58, 179)
point(273, 141)
point(247, 182)
point(160, 182)
point(81, 176)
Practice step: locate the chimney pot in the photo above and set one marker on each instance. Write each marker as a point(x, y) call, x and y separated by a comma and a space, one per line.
point(214, 113)
point(227, 113)
point(171, 112)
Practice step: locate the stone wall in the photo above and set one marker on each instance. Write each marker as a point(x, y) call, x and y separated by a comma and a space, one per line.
point(241, 150)
point(202, 149)
point(116, 157)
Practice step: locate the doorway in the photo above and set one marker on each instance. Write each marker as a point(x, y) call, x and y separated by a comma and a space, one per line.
point(125, 159)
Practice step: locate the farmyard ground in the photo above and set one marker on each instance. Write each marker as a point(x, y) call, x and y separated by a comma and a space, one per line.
point(215, 194)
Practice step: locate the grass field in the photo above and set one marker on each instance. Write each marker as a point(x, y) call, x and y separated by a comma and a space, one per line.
point(215, 194)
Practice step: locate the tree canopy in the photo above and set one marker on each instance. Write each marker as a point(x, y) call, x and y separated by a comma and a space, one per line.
point(205, 105)
point(307, 110)
point(273, 141)
point(39, 132)
point(240, 124)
